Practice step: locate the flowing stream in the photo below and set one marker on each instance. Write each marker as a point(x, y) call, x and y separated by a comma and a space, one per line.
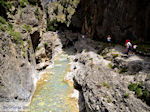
point(53, 93)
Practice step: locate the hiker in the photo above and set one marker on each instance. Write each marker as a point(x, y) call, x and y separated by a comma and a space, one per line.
point(128, 46)
point(109, 39)
point(83, 36)
point(134, 48)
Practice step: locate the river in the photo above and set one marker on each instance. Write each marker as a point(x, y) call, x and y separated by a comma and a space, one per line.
point(53, 92)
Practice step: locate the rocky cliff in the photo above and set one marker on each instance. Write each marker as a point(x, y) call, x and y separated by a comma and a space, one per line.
point(19, 36)
point(120, 18)
point(110, 81)
point(32, 32)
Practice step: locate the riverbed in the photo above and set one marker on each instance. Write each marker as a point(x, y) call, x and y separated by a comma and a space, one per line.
point(53, 93)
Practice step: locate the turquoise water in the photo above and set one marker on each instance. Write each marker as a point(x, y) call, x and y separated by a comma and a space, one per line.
point(53, 95)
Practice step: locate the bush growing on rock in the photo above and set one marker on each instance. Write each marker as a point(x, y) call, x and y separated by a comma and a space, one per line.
point(126, 95)
point(2, 20)
point(140, 92)
point(52, 25)
point(105, 84)
point(112, 66)
point(37, 14)
point(61, 12)
point(6, 5)
point(27, 28)
point(23, 3)
point(17, 37)
point(123, 70)
point(4, 25)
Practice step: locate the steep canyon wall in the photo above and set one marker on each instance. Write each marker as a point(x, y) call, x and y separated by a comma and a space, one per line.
point(120, 18)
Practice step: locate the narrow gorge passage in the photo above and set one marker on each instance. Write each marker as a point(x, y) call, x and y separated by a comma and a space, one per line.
point(53, 93)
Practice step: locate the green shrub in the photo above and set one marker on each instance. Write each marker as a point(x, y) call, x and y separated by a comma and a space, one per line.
point(123, 70)
point(140, 92)
point(2, 20)
point(27, 28)
point(9, 27)
point(37, 13)
point(126, 95)
point(23, 3)
point(17, 37)
point(133, 86)
point(52, 25)
point(9, 5)
point(105, 84)
point(146, 93)
point(3, 27)
point(110, 65)
point(6, 5)
point(115, 55)
point(45, 44)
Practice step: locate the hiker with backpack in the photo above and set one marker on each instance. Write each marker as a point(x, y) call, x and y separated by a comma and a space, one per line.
point(128, 46)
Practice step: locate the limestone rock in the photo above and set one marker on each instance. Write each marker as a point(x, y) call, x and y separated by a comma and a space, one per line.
point(103, 89)
point(28, 16)
point(16, 75)
point(123, 19)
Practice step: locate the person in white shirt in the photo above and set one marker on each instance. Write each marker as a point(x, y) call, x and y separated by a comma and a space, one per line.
point(109, 39)
point(128, 46)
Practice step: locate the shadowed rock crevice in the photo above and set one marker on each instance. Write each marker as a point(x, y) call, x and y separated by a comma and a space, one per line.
point(35, 37)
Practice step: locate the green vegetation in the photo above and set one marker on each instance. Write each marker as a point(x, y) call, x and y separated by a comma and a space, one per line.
point(105, 84)
point(133, 86)
point(140, 92)
point(115, 55)
point(52, 25)
point(45, 44)
point(4, 25)
point(16, 36)
point(2, 20)
point(23, 3)
point(6, 5)
point(37, 14)
point(27, 28)
point(110, 65)
point(123, 70)
point(63, 11)
point(38, 48)
point(7, 27)
point(126, 95)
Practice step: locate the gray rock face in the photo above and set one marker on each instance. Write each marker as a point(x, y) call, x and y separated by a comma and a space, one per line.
point(16, 74)
point(147, 84)
point(49, 46)
point(121, 18)
point(28, 16)
point(103, 89)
